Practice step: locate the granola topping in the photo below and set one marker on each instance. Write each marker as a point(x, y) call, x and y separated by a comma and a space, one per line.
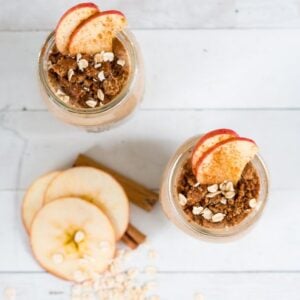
point(88, 81)
point(218, 205)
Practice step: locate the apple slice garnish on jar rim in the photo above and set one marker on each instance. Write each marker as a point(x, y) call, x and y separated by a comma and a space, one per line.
point(207, 141)
point(225, 161)
point(96, 33)
point(70, 21)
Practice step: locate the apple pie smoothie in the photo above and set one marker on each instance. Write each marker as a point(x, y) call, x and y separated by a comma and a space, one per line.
point(215, 187)
point(91, 69)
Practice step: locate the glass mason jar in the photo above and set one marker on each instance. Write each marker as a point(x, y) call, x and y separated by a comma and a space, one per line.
point(99, 118)
point(175, 213)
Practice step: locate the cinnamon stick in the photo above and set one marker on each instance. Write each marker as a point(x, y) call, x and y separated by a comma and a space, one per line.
point(137, 193)
point(133, 237)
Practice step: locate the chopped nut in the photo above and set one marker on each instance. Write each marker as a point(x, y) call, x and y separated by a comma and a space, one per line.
point(78, 56)
point(197, 210)
point(86, 88)
point(207, 214)
point(79, 236)
point(229, 195)
point(224, 201)
point(57, 258)
point(100, 94)
point(97, 65)
point(82, 64)
point(108, 56)
point(218, 217)
point(212, 188)
point(252, 202)
point(62, 96)
point(98, 58)
point(70, 74)
point(101, 76)
point(121, 62)
point(212, 195)
point(91, 103)
point(182, 199)
point(197, 184)
point(222, 186)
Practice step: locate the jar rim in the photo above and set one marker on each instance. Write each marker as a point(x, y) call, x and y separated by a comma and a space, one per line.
point(177, 215)
point(127, 39)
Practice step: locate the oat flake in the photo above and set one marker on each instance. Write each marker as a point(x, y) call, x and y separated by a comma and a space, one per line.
point(252, 203)
point(70, 74)
point(182, 199)
point(218, 217)
point(121, 62)
point(100, 94)
point(197, 210)
point(108, 56)
point(101, 76)
point(82, 64)
point(212, 188)
point(79, 236)
point(91, 103)
point(207, 214)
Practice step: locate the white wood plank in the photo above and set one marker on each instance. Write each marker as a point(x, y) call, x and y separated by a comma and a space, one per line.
point(162, 14)
point(171, 286)
point(185, 69)
point(35, 142)
point(272, 245)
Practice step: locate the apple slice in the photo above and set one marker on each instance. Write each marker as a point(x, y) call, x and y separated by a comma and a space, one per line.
point(69, 21)
point(34, 198)
point(207, 141)
point(225, 161)
point(96, 33)
point(72, 239)
point(97, 187)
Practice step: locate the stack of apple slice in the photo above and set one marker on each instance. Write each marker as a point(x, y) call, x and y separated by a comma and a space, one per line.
point(84, 29)
point(221, 155)
point(74, 218)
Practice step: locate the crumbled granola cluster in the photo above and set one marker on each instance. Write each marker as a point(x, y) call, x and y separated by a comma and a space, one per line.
point(218, 205)
point(88, 81)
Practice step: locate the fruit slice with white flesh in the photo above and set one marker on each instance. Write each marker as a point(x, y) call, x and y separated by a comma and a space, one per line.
point(97, 187)
point(208, 140)
point(97, 32)
point(69, 21)
point(225, 161)
point(34, 198)
point(72, 239)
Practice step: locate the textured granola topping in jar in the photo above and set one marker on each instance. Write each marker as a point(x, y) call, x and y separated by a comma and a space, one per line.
point(218, 205)
point(89, 81)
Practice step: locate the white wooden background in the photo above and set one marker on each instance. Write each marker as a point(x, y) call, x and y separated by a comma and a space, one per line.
point(210, 64)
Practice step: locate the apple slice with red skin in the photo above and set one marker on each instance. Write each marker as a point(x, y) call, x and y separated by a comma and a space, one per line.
point(97, 32)
point(207, 141)
point(69, 22)
point(225, 161)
